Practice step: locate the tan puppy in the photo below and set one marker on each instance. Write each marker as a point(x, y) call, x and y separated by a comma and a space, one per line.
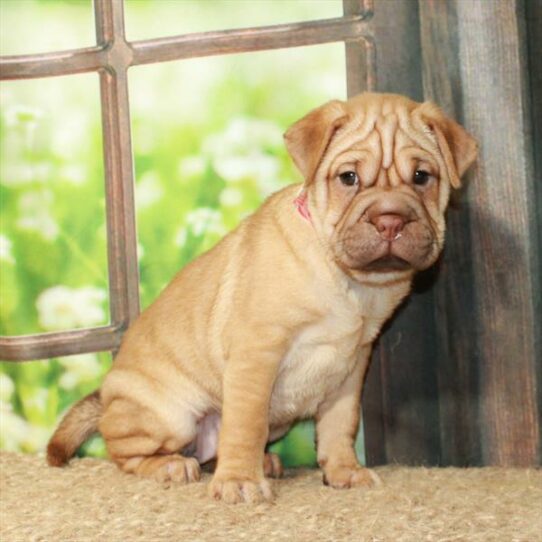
point(276, 322)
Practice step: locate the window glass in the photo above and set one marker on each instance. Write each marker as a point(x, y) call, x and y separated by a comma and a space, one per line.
point(147, 19)
point(35, 395)
point(41, 26)
point(53, 246)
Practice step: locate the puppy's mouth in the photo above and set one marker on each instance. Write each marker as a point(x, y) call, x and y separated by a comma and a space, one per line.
point(389, 262)
point(413, 250)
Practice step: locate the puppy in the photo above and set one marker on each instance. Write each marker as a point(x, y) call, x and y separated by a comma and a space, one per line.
point(276, 322)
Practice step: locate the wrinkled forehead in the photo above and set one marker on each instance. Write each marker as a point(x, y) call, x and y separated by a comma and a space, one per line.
point(384, 131)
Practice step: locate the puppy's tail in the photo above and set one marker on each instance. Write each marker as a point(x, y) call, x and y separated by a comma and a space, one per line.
point(78, 425)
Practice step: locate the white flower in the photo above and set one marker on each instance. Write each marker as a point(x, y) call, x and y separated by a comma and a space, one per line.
point(244, 136)
point(268, 185)
point(5, 249)
point(199, 222)
point(327, 83)
point(242, 152)
point(6, 387)
point(144, 138)
point(77, 369)
point(148, 190)
point(205, 220)
point(140, 251)
point(230, 197)
point(42, 223)
point(21, 114)
point(14, 175)
point(35, 213)
point(74, 174)
point(191, 166)
point(180, 238)
point(71, 136)
point(35, 439)
point(13, 429)
point(253, 166)
point(61, 308)
point(16, 434)
point(38, 400)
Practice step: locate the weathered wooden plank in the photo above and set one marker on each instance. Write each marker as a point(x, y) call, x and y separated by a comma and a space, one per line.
point(359, 52)
point(472, 367)
point(533, 14)
point(44, 346)
point(407, 353)
point(400, 405)
point(456, 359)
point(504, 249)
point(373, 414)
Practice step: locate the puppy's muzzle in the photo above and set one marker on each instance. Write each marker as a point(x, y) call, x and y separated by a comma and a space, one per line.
point(390, 220)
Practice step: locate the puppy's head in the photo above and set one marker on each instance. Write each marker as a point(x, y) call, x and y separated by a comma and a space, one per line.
point(378, 170)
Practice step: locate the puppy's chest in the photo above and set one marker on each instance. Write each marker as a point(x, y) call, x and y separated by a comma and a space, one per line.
point(321, 357)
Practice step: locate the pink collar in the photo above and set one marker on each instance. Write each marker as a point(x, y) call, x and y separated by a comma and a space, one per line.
point(302, 206)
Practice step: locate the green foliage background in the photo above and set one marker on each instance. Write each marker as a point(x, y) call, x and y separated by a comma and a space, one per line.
point(207, 150)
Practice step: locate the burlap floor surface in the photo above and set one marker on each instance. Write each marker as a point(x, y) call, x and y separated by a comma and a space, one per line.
point(92, 500)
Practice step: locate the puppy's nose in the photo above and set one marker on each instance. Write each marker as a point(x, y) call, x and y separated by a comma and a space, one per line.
point(388, 225)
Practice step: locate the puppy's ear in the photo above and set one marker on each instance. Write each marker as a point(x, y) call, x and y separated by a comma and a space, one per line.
point(308, 139)
point(459, 149)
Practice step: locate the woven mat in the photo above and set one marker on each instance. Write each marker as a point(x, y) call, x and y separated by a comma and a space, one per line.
point(92, 500)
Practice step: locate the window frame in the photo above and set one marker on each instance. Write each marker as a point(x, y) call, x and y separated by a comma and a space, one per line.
point(111, 57)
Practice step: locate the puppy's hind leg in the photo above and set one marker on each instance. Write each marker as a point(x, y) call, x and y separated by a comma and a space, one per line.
point(139, 441)
point(272, 466)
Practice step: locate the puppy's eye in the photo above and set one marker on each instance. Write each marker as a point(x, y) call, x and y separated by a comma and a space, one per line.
point(421, 177)
point(349, 178)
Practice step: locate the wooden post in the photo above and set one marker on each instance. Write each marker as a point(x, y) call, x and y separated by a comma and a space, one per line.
point(457, 375)
point(455, 299)
point(504, 239)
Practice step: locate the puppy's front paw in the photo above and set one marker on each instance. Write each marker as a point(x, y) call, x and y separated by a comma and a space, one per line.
point(233, 491)
point(342, 477)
